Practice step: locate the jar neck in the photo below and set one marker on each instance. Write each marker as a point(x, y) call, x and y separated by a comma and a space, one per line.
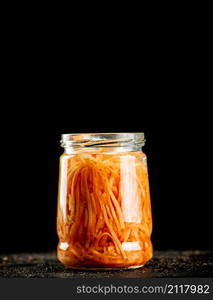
point(103, 142)
point(104, 150)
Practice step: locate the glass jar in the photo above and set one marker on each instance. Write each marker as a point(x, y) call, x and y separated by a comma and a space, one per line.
point(104, 212)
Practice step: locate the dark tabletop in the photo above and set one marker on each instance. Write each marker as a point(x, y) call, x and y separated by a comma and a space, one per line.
point(163, 264)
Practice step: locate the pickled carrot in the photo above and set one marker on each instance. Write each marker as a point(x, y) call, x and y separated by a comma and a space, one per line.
point(95, 227)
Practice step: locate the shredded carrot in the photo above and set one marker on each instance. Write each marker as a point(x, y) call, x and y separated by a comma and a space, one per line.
point(108, 210)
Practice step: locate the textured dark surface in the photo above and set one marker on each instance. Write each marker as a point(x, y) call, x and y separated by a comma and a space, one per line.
point(164, 264)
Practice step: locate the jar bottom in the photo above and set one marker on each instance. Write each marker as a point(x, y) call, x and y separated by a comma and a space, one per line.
point(135, 260)
point(104, 269)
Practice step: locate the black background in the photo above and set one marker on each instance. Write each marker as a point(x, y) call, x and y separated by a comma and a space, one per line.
point(165, 93)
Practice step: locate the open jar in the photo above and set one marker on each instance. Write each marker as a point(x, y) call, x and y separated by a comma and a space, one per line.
point(104, 212)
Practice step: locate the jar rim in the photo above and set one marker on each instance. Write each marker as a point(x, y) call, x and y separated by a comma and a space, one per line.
point(107, 139)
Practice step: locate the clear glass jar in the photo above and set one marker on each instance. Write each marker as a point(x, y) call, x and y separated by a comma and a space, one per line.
point(104, 212)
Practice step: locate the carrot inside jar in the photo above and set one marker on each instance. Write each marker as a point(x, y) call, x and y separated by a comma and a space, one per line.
point(104, 212)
